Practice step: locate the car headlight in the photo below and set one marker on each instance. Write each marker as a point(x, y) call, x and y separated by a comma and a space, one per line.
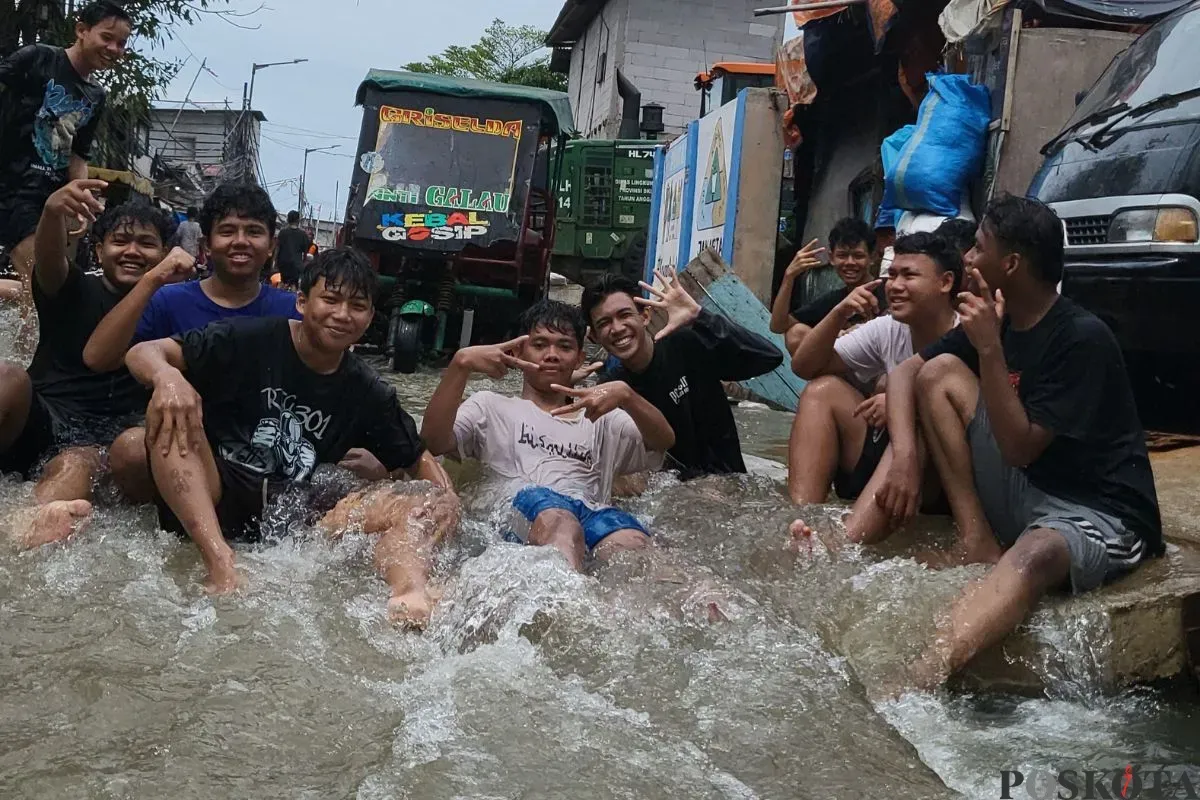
point(1154, 225)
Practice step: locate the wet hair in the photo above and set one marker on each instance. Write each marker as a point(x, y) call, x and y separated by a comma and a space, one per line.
point(293, 217)
point(93, 14)
point(1031, 230)
point(610, 283)
point(554, 316)
point(134, 212)
point(344, 269)
point(851, 232)
point(240, 200)
point(192, 212)
point(938, 249)
point(960, 233)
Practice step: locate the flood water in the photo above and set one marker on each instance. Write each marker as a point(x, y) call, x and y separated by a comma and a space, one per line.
point(712, 667)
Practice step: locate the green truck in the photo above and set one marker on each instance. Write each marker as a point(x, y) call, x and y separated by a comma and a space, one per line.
point(603, 205)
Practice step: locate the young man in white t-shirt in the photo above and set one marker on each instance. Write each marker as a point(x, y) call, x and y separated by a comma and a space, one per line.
point(558, 448)
point(840, 432)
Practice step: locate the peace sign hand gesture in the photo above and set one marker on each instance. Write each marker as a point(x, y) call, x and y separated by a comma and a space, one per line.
point(680, 308)
point(804, 260)
point(596, 401)
point(495, 360)
point(981, 315)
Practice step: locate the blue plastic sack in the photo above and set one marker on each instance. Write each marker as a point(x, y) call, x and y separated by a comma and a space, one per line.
point(889, 153)
point(945, 150)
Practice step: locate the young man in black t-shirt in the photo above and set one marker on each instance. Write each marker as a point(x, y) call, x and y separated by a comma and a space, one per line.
point(59, 409)
point(247, 408)
point(851, 247)
point(291, 248)
point(1030, 418)
point(50, 108)
point(681, 369)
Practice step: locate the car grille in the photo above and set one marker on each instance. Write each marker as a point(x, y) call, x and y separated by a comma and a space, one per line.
point(1087, 230)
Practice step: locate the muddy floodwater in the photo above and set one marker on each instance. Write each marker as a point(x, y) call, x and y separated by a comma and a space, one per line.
point(712, 667)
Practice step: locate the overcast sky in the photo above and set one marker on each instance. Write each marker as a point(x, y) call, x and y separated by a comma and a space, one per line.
point(312, 104)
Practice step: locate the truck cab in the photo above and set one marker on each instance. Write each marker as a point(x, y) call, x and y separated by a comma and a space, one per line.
point(1124, 177)
point(726, 79)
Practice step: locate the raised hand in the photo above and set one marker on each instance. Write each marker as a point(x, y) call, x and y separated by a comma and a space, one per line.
point(981, 315)
point(681, 309)
point(596, 401)
point(175, 415)
point(178, 266)
point(495, 360)
point(77, 199)
point(861, 302)
point(804, 260)
point(583, 373)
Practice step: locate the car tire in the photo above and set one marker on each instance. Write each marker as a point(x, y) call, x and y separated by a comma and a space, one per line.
point(405, 341)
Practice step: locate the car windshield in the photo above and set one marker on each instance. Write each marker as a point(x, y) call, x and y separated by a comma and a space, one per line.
point(1165, 60)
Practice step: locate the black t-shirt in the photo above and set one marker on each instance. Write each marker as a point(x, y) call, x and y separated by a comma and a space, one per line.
point(293, 244)
point(47, 112)
point(1071, 378)
point(66, 321)
point(269, 416)
point(811, 314)
point(683, 381)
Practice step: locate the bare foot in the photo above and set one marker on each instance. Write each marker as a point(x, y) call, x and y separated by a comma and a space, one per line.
point(225, 581)
point(800, 540)
point(411, 611)
point(55, 521)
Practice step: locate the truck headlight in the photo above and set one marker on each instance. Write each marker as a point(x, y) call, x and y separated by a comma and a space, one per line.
point(1154, 225)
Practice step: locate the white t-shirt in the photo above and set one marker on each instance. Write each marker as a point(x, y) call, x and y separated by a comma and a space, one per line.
point(570, 454)
point(874, 349)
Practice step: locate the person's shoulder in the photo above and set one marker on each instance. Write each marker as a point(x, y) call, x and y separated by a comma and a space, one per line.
point(174, 292)
point(1081, 325)
point(277, 297)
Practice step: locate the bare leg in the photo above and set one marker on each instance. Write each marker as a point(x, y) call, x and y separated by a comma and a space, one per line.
point(130, 466)
point(947, 392)
point(63, 497)
point(990, 609)
point(10, 291)
point(825, 435)
point(191, 486)
point(16, 398)
point(412, 524)
point(794, 336)
point(22, 261)
point(560, 530)
point(619, 541)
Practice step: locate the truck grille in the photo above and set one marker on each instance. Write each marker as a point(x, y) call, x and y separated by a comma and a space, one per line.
point(1087, 230)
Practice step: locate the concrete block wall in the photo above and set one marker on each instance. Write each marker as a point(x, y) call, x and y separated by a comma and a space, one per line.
point(660, 45)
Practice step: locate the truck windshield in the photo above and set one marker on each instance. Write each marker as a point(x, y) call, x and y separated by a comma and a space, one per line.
point(1163, 61)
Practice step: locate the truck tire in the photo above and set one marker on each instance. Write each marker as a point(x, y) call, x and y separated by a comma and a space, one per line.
point(405, 341)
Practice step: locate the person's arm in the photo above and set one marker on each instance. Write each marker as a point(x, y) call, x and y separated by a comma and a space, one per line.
point(1020, 440)
point(816, 354)
point(50, 251)
point(81, 146)
point(597, 401)
point(77, 168)
point(781, 310)
point(437, 428)
point(428, 469)
point(174, 416)
point(105, 349)
point(735, 353)
point(900, 495)
point(16, 67)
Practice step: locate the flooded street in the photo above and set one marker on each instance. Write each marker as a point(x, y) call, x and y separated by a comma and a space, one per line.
point(713, 667)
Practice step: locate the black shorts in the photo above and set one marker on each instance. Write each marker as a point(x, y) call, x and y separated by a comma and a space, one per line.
point(18, 220)
point(849, 485)
point(239, 510)
point(50, 429)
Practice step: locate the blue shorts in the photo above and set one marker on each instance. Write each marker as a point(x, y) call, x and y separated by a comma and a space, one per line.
point(597, 524)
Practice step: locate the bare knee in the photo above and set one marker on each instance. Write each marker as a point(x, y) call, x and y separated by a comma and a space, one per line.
point(948, 377)
point(15, 386)
point(619, 541)
point(1040, 557)
point(75, 459)
point(827, 391)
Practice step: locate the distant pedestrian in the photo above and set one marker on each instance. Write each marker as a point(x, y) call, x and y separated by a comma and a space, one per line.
point(291, 250)
point(50, 108)
point(189, 234)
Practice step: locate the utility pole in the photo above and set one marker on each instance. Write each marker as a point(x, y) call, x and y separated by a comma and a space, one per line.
point(304, 174)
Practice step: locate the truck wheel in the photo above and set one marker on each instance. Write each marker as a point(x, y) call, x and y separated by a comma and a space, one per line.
point(405, 343)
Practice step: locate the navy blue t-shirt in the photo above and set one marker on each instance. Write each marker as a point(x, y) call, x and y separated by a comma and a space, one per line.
point(181, 307)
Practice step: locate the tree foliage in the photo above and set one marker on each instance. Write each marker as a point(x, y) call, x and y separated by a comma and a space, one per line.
point(506, 54)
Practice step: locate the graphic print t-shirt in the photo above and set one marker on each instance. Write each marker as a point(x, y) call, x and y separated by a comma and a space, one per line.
point(270, 416)
point(183, 307)
point(1070, 375)
point(570, 454)
point(47, 112)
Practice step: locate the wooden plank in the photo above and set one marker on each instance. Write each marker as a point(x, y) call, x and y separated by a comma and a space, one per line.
point(709, 280)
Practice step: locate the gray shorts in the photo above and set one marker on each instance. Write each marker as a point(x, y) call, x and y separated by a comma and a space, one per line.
point(1101, 548)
